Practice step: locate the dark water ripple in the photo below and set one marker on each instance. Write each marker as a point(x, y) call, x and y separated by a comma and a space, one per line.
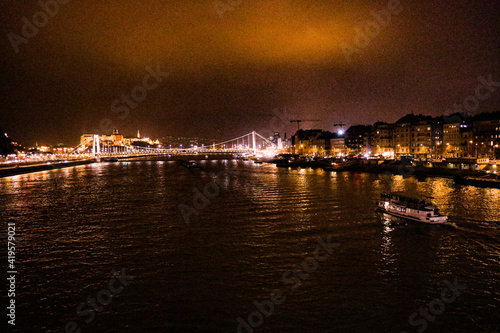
point(76, 225)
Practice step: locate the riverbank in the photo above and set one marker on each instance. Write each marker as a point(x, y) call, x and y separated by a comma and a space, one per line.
point(24, 169)
point(357, 166)
point(391, 167)
point(407, 170)
point(9, 172)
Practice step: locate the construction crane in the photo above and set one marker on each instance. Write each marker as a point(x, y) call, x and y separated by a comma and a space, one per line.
point(298, 121)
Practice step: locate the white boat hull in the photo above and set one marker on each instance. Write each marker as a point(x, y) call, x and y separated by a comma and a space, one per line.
point(411, 214)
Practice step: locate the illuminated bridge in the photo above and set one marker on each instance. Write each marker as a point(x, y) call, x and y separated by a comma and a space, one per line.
point(251, 142)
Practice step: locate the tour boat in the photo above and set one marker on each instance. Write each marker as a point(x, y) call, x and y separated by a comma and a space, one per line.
point(411, 207)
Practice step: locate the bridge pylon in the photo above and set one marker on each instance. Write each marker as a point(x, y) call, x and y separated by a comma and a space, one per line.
point(253, 143)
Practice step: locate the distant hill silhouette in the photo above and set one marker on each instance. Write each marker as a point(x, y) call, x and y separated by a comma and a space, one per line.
point(6, 144)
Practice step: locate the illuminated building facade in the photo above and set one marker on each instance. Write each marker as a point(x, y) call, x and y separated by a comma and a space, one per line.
point(114, 143)
point(318, 143)
point(486, 133)
point(382, 140)
point(357, 139)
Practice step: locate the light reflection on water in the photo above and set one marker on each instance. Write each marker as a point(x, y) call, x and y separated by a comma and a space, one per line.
point(75, 225)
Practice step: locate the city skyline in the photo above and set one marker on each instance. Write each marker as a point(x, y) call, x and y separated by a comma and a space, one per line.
point(458, 135)
point(342, 129)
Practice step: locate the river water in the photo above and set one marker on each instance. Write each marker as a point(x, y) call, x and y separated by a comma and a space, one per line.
point(253, 240)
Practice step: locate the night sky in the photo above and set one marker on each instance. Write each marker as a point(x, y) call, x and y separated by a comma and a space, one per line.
point(229, 70)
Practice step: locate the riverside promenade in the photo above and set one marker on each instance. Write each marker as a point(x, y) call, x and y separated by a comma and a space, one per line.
point(19, 169)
